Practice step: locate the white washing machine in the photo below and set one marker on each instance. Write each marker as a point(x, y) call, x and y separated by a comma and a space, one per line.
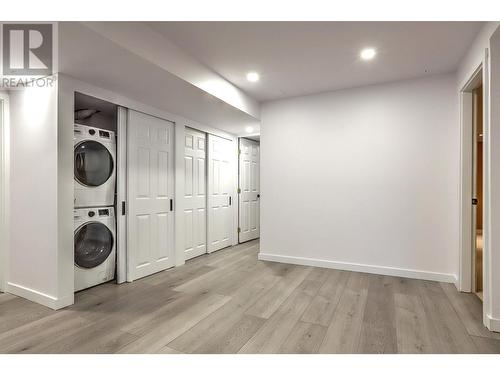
point(94, 166)
point(95, 246)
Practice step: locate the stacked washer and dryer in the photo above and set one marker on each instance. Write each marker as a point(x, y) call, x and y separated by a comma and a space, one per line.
point(94, 213)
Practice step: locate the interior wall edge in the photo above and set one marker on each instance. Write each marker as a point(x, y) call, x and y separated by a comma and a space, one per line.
point(65, 192)
point(4, 188)
point(358, 267)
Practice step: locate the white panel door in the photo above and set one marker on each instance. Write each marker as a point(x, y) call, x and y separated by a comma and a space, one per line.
point(249, 185)
point(220, 184)
point(195, 197)
point(150, 193)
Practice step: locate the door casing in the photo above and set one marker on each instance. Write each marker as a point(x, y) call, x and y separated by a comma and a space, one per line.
point(467, 211)
point(121, 197)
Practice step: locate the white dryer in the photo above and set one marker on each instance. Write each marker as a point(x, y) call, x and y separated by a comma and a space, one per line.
point(95, 249)
point(94, 166)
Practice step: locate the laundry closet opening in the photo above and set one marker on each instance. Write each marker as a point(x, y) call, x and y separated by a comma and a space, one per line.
point(95, 165)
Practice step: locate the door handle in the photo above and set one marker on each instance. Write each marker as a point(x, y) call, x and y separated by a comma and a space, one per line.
point(474, 201)
point(123, 208)
point(230, 200)
point(258, 195)
point(171, 204)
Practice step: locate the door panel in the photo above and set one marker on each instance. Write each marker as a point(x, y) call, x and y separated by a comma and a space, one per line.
point(195, 198)
point(150, 186)
point(249, 198)
point(219, 193)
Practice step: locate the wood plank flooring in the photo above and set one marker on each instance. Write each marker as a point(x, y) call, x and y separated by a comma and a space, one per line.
point(229, 302)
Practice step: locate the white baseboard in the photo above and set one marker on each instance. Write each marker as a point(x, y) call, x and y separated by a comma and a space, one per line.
point(356, 267)
point(39, 297)
point(492, 324)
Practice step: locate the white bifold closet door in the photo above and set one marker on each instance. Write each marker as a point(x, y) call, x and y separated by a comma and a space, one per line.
point(150, 193)
point(249, 185)
point(195, 196)
point(220, 185)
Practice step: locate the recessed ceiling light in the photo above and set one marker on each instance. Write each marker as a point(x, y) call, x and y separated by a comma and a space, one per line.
point(368, 53)
point(252, 76)
point(249, 129)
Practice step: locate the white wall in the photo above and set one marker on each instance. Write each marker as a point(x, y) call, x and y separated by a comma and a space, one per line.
point(34, 247)
point(364, 179)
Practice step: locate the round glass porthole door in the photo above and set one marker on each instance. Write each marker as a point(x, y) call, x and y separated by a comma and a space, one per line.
point(93, 163)
point(93, 244)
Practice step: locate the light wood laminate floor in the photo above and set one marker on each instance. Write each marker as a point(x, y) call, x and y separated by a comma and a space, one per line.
point(229, 302)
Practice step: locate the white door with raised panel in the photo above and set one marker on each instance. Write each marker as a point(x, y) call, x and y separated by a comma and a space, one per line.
point(220, 185)
point(249, 190)
point(195, 196)
point(150, 193)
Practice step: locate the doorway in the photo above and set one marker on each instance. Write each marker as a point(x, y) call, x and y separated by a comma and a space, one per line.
point(477, 191)
point(472, 186)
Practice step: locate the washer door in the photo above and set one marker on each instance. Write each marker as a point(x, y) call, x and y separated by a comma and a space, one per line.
point(93, 163)
point(93, 244)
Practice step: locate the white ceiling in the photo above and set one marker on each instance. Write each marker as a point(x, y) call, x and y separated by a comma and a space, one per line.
point(299, 58)
point(94, 59)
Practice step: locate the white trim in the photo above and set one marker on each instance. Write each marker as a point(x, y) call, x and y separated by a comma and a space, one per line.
point(4, 189)
point(39, 297)
point(491, 323)
point(179, 237)
point(356, 267)
point(121, 196)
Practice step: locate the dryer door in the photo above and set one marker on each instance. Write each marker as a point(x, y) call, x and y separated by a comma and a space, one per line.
point(93, 163)
point(93, 244)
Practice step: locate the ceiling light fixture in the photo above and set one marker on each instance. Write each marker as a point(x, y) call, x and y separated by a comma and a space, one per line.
point(249, 129)
point(368, 53)
point(252, 76)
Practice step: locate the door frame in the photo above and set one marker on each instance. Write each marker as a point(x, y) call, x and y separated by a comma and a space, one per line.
point(122, 274)
point(4, 188)
point(467, 220)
